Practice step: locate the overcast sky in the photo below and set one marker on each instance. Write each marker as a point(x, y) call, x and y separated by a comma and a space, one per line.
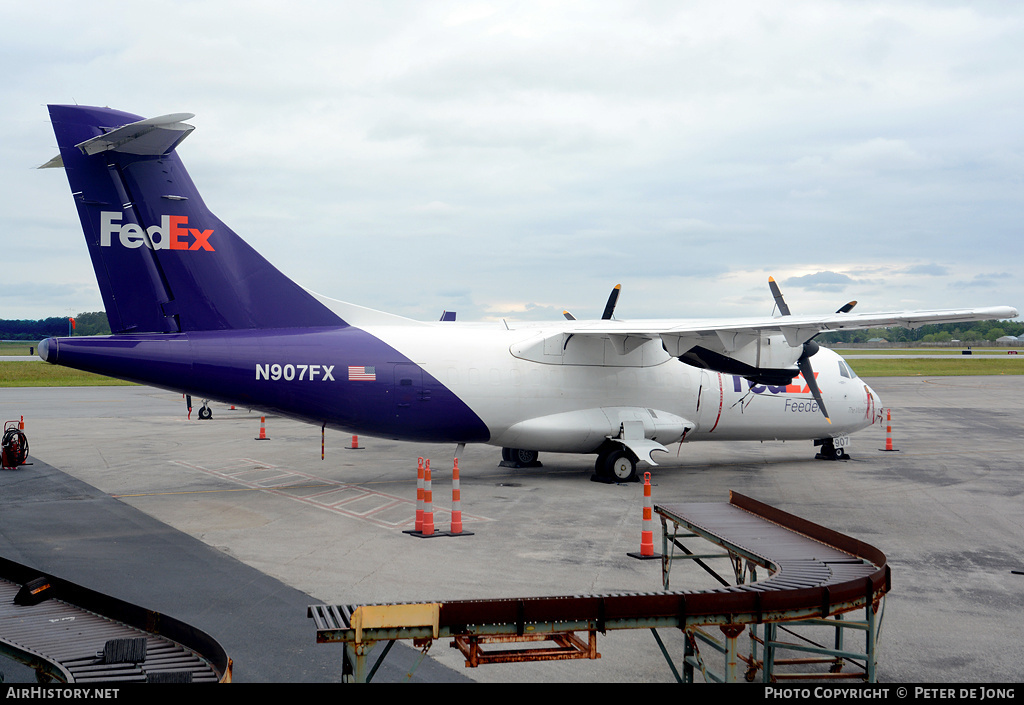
point(512, 159)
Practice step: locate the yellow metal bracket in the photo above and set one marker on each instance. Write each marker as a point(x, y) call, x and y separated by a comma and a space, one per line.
point(395, 616)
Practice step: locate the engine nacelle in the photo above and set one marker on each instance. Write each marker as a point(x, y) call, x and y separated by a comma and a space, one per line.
point(584, 431)
point(764, 359)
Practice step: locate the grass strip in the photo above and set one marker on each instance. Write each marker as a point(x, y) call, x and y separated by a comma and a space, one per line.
point(954, 352)
point(41, 374)
point(937, 367)
point(25, 348)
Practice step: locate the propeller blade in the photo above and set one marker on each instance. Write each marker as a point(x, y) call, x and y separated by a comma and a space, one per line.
point(846, 308)
point(804, 363)
point(779, 301)
point(609, 307)
point(568, 316)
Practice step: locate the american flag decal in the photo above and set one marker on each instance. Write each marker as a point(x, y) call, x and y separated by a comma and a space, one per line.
point(362, 374)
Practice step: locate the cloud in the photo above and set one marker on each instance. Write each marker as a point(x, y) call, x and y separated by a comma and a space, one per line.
point(879, 154)
point(543, 152)
point(437, 208)
point(930, 270)
point(986, 280)
point(822, 281)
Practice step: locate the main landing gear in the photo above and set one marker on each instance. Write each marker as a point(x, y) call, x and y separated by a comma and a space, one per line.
point(519, 458)
point(615, 463)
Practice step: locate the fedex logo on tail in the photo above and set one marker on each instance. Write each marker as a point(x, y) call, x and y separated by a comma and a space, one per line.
point(173, 233)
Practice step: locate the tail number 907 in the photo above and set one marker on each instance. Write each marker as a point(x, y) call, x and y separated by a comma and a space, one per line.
point(302, 373)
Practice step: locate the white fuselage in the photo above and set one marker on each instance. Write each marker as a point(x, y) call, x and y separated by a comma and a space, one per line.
point(534, 390)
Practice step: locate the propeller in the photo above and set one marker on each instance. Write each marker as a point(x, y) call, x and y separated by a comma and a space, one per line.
point(809, 348)
point(779, 301)
point(784, 309)
point(609, 308)
point(804, 363)
point(613, 298)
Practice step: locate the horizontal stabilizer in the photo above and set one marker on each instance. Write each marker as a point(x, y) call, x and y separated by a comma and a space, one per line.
point(55, 163)
point(151, 137)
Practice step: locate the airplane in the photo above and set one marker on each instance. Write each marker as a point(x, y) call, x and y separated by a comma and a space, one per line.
point(195, 309)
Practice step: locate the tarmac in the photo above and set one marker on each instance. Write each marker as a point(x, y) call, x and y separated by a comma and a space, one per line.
point(199, 520)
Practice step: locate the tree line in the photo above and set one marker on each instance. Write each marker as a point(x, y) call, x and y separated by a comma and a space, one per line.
point(90, 323)
point(970, 332)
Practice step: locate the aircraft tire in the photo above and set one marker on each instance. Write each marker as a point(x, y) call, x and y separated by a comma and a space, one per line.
point(829, 451)
point(519, 458)
point(206, 413)
point(524, 457)
point(619, 465)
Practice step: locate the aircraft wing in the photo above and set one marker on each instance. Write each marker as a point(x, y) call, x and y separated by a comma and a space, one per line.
point(727, 335)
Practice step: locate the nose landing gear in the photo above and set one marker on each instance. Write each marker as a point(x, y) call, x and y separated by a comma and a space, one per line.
point(830, 450)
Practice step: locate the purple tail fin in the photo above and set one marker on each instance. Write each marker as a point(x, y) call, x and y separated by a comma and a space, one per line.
point(163, 261)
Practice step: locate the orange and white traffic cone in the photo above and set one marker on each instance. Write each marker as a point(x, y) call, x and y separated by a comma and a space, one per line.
point(419, 496)
point(428, 501)
point(647, 531)
point(263, 429)
point(888, 430)
point(456, 500)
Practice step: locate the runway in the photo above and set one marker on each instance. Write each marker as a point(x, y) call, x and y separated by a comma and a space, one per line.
point(198, 520)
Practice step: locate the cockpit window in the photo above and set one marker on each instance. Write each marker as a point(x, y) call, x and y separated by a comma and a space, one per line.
point(846, 371)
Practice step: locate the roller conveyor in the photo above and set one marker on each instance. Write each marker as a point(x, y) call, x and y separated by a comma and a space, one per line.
point(70, 634)
point(815, 573)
